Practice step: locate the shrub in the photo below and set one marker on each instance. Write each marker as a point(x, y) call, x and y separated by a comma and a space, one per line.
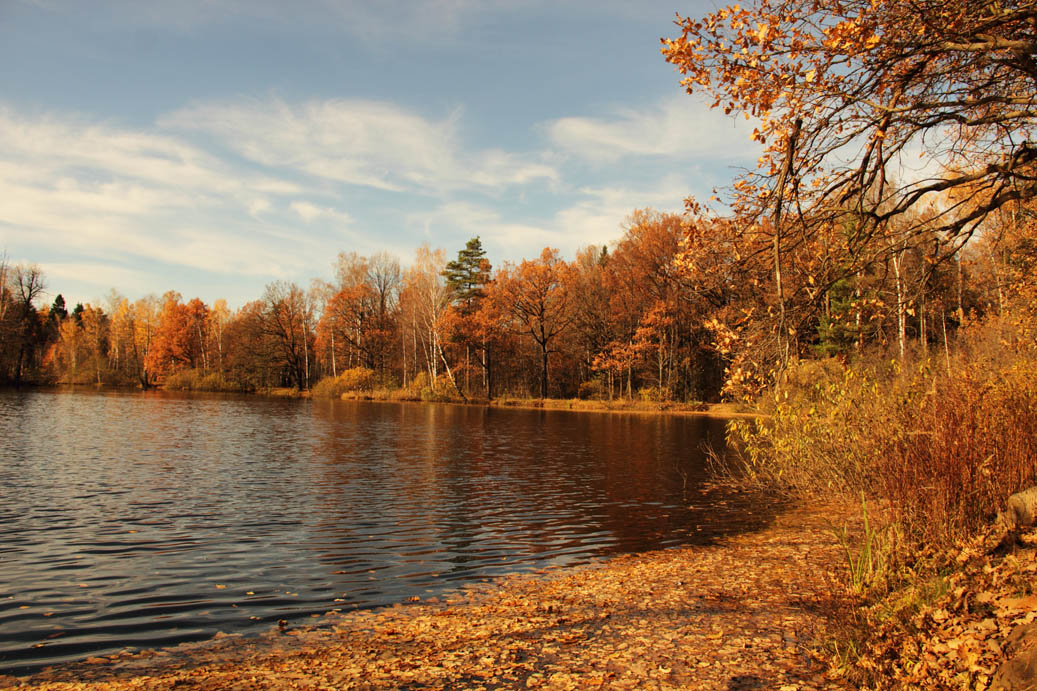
point(442, 389)
point(811, 438)
point(199, 380)
point(589, 390)
point(655, 394)
point(941, 446)
point(351, 380)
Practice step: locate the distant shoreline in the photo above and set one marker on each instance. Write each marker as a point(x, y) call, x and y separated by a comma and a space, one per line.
point(712, 410)
point(715, 410)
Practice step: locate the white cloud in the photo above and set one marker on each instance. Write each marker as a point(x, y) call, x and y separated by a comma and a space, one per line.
point(258, 206)
point(42, 149)
point(367, 143)
point(675, 127)
point(595, 217)
point(178, 197)
point(309, 212)
point(101, 191)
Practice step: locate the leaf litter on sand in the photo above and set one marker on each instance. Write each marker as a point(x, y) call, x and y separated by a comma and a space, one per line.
point(959, 640)
point(744, 614)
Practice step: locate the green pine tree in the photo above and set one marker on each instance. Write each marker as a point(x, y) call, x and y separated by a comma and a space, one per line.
point(467, 275)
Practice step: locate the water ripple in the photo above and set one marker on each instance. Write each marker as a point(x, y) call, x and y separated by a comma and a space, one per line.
point(143, 520)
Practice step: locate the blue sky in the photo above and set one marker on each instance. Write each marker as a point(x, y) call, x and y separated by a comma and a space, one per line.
point(211, 147)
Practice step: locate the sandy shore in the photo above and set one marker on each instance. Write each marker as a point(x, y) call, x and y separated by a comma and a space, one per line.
point(743, 614)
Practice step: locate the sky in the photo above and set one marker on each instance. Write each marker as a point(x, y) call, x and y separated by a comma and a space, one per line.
point(214, 146)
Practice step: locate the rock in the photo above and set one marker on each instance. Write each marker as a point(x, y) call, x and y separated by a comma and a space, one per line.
point(1019, 671)
point(1021, 510)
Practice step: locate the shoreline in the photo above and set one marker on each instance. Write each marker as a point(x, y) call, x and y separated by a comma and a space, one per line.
point(746, 611)
point(711, 410)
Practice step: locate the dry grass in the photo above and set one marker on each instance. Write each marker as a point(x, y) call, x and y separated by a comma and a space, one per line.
point(938, 445)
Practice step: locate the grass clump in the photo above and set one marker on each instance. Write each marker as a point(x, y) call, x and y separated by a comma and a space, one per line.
point(867, 556)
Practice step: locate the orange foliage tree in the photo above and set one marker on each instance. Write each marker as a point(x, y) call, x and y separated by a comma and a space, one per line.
point(536, 294)
point(848, 96)
point(842, 90)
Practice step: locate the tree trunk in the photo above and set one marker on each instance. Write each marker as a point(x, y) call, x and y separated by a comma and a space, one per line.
point(334, 369)
point(306, 359)
point(543, 372)
point(901, 306)
point(790, 152)
point(450, 374)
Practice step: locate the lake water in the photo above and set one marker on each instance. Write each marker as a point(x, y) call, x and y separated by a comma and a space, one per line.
point(146, 520)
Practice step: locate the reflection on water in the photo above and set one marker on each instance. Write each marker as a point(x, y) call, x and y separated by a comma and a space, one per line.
point(146, 520)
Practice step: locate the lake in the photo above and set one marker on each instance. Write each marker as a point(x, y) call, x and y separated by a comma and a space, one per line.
point(149, 519)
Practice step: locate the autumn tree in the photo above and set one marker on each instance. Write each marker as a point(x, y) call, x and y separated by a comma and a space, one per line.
point(425, 300)
point(642, 269)
point(285, 319)
point(848, 96)
point(120, 337)
point(216, 325)
point(879, 79)
point(594, 323)
point(321, 294)
point(95, 326)
point(174, 345)
point(146, 316)
point(358, 322)
point(252, 357)
point(536, 294)
point(27, 285)
point(384, 277)
point(487, 326)
point(66, 353)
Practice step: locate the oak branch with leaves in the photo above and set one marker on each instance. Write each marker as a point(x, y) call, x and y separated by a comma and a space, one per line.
point(878, 86)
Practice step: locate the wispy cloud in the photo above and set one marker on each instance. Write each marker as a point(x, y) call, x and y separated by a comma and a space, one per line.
point(594, 216)
point(105, 191)
point(310, 212)
point(255, 188)
point(428, 21)
point(675, 127)
point(356, 142)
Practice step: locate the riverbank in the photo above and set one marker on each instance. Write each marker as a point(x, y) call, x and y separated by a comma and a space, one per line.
point(720, 410)
point(746, 613)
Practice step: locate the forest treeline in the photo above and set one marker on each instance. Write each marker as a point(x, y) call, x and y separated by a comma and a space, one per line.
point(682, 307)
point(612, 322)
